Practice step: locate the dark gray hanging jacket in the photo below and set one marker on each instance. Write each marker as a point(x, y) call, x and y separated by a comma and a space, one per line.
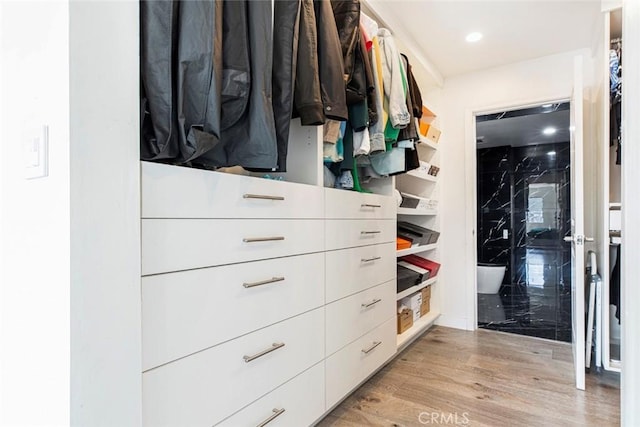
point(207, 83)
point(181, 64)
point(248, 137)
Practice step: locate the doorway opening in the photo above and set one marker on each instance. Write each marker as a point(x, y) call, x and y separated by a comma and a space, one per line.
point(523, 214)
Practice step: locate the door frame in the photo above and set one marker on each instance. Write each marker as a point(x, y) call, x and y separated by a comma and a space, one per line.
point(471, 202)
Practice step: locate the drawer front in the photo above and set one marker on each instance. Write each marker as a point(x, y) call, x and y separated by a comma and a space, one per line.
point(206, 387)
point(340, 204)
point(350, 233)
point(350, 318)
point(192, 310)
point(351, 365)
point(181, 244)
point(180, 192)
point(297, 403)
point(349, 271)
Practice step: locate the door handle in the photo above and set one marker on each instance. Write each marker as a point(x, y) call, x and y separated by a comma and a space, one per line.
point(371, 232)
point(368, 205)
point(579, 239)
point(370, 259)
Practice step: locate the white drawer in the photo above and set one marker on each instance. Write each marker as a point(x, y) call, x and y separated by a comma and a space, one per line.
point(349, 271)
point(351, 365)
point(205, 388)
point(181, 192)
point(350, 318)
point(340, 204)
point(192, 310)
point(182, 244)
point(349, 233)
point(297, 403)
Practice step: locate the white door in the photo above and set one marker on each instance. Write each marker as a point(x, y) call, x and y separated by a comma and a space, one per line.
point(577, 238)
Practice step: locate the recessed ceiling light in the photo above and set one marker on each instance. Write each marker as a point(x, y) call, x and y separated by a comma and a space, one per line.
point(473, 37)
point(551, 153)
point(547, 105)
point(549, 131)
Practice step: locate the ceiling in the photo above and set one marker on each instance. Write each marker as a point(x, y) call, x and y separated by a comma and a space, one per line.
point(523, 130)
point(514, 30)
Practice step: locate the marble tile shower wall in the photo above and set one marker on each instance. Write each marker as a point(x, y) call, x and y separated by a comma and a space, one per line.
point(526, 191)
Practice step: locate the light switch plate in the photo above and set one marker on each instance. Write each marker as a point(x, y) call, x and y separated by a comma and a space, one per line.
point(36, 152)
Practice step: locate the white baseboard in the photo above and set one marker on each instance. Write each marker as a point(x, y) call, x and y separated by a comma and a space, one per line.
point(454, 322)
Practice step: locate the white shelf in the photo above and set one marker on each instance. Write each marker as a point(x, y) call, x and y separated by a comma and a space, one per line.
point(428, 143)
point(412, 211)
point(418, 328)
point(416, 288)
point(416, 249)
point(421, 175)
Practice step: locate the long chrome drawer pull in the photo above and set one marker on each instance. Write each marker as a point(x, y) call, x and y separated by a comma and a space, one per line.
point(274, 346)
point(372, 303)
point(261, 196)
point(370, 349)
point(367, 205)
point(370, 259)
point(371, 232)
point(262, 239)
point(263, 282)
point(276, 413)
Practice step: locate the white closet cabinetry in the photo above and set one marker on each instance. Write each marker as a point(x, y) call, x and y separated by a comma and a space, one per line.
point(259, 295)
point(176, 305)
point(360, 284)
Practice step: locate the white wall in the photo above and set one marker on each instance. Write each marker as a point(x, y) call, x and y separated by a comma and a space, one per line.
point(70, 302)
point(548, 78)
point(105, 214)
point(34, 238)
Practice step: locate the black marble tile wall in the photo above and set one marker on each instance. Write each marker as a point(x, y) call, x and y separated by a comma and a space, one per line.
point(526, 191)
point(494, 207)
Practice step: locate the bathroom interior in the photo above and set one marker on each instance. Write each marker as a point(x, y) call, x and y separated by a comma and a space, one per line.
point(523, 214)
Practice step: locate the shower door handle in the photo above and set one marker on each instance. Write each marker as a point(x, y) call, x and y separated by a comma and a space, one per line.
point(579, 239)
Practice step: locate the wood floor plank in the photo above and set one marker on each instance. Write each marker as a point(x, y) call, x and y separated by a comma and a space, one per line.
point(485, 378)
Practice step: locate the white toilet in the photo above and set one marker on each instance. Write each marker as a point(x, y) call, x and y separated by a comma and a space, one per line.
point(490, 278)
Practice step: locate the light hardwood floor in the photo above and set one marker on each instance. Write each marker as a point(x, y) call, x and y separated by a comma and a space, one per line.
point(487, 378)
